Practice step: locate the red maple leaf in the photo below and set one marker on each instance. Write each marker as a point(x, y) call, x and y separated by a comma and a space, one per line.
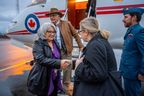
point(31, 23)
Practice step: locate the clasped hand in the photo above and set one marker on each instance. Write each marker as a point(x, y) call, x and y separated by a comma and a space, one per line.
point(65, 63)
point(78, 61)
point(140, 77)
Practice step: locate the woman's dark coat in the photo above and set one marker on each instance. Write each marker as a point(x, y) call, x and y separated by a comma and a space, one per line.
point(43, 55)
point(91, 76)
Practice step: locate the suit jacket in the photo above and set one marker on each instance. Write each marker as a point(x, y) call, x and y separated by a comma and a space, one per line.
point(132, 59)
point(67, 33)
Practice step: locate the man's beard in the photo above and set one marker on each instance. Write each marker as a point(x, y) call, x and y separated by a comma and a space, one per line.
point(127, 24)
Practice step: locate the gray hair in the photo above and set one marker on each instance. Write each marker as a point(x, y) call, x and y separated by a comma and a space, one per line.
point(92, 26)
point(43, 29)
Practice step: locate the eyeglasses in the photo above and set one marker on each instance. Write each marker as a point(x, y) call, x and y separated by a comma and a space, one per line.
point(79, 31)
point(51, 32)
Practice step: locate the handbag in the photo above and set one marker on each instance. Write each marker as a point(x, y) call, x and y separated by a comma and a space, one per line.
point(116, 83)
point(37, 80)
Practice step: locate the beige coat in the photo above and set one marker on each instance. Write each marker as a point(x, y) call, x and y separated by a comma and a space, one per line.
point(68, 32)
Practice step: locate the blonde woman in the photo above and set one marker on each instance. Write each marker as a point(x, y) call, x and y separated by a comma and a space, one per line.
point(97, 62)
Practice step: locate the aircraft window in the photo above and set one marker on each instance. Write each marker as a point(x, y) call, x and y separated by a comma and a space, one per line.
point(118, 0)
point(14, 22)
point(38, 1)
point(35, 2)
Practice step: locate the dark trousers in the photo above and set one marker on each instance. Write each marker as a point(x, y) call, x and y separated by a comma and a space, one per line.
point(132, 87)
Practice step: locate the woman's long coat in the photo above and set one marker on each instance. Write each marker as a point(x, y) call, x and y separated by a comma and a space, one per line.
point(91, 76)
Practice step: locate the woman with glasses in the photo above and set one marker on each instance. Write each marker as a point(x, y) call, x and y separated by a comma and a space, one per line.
point(46, 53)
point(96, 63)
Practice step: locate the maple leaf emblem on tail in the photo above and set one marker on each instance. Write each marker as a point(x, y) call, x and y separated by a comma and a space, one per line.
point(31, 23)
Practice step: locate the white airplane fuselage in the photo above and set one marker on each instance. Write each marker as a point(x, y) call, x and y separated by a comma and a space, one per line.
point(109, 14)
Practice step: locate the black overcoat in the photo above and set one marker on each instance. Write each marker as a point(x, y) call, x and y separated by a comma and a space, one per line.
point(91, 76)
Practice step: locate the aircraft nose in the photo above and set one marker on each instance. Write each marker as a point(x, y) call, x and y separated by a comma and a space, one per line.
point(8, 32)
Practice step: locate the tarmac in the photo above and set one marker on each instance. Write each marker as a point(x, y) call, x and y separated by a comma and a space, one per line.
point(16, 86)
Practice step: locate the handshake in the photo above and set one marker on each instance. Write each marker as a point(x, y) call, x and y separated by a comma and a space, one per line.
point(65, 63)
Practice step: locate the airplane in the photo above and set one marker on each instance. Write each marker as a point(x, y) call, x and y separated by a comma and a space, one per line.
point(108, 12)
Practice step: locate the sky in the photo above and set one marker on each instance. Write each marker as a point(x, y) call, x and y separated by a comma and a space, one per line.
point(8, 11)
